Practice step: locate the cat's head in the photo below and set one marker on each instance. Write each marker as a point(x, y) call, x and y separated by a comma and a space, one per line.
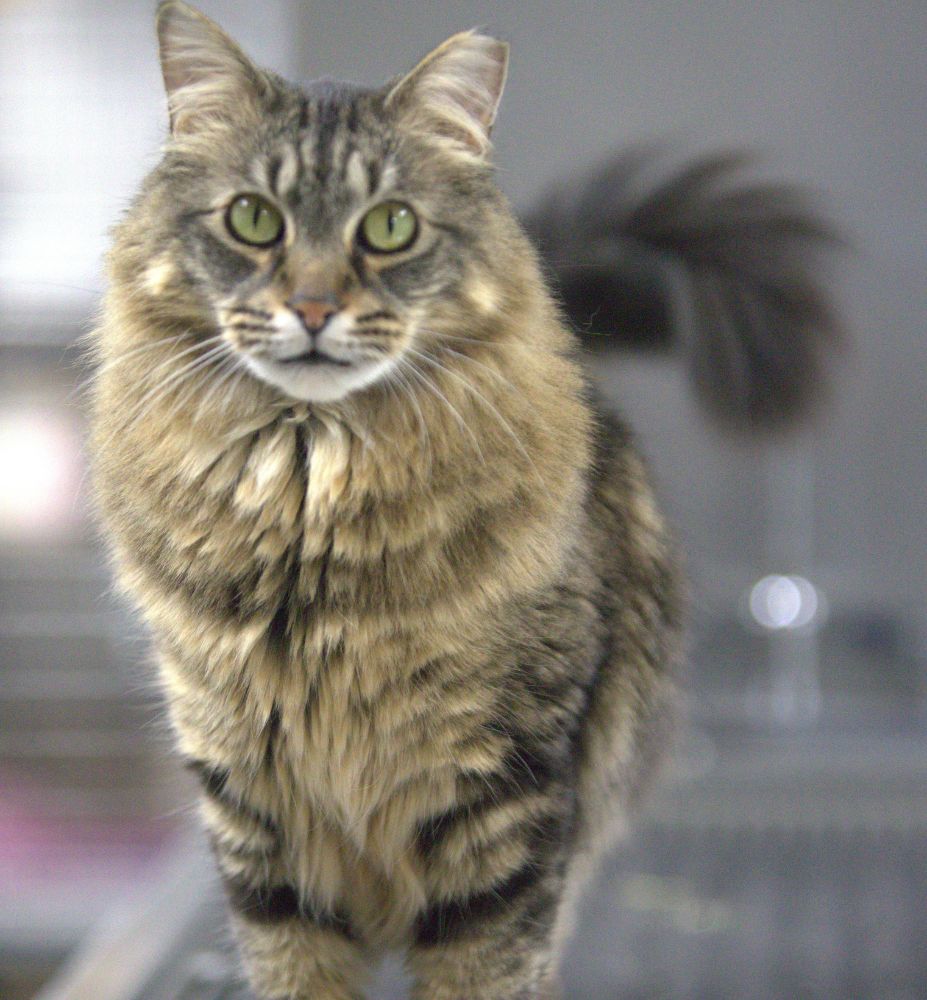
point(325, 236)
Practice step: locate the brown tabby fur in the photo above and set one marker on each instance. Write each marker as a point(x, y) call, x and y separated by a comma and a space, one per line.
point(415, 643)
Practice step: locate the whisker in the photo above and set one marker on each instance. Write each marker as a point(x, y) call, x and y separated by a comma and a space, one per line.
point(149, 375)
point(223, 372)
point(230, 360)
point(187, 390)
point(502, 421)
point(173, 382)
point(480, 364)
point(429, 384)
point(467, 340)
point(85, 384)
point(167, 361)
point(160, 391)
point(424, 436)
point(190, 389)
point(397, 396)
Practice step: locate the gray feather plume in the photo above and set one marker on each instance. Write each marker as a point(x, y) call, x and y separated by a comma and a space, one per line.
point(728, 272)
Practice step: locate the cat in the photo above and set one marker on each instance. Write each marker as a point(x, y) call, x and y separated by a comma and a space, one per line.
point(415, 609)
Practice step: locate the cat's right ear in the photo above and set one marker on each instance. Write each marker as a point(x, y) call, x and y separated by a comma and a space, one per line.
point(208, 79)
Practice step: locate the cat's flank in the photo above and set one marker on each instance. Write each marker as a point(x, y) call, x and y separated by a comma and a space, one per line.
point(414, 608)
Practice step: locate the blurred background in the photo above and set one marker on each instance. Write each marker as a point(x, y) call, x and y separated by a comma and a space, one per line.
point(786, 854)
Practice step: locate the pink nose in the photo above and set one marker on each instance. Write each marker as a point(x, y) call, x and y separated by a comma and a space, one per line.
point(314, 313)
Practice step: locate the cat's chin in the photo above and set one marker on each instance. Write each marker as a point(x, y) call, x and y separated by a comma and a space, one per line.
point(319, 382)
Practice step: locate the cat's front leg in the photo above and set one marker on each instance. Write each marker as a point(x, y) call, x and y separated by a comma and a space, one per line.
point(494, 947)
point(291, 948)
point(296, 957)
point(488, 933)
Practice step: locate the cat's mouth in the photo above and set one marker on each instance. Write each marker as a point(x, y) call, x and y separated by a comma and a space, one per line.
point(315, 375)
point(313, 358)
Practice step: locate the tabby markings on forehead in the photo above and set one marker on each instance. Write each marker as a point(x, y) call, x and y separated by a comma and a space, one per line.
point(356, 175)
point(325, 155)
point(339, 148)
point(342, 159)
point(277, 173)
point(287, 172)
point(307, 149)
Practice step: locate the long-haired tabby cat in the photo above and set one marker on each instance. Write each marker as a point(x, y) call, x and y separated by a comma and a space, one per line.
point(414, 607)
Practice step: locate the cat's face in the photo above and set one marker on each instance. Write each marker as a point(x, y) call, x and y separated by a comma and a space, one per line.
point(321, 231)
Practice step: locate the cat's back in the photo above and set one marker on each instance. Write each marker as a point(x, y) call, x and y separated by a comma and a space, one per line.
point(634, 696)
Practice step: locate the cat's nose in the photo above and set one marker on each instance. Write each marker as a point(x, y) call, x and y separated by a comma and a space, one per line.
point(314, 313)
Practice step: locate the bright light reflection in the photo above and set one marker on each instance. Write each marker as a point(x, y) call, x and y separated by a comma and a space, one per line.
point(39, 473)
point(783, 602)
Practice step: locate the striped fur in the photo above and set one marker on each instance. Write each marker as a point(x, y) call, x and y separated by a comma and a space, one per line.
point(415, 632)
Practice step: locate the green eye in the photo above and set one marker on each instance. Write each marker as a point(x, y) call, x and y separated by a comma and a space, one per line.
point(388, 227)
point(253, 220)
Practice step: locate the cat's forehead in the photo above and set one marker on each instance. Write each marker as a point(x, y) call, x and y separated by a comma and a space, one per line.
point(333, 148)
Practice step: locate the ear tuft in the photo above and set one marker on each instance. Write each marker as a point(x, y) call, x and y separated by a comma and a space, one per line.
point(206, 75)
point(454, 92)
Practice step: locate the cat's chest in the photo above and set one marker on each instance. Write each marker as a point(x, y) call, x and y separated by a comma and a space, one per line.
point(346, 740)
point(344, 766)
point(327, 686)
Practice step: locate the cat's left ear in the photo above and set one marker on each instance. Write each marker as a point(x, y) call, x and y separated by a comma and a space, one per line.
point(454, 92)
